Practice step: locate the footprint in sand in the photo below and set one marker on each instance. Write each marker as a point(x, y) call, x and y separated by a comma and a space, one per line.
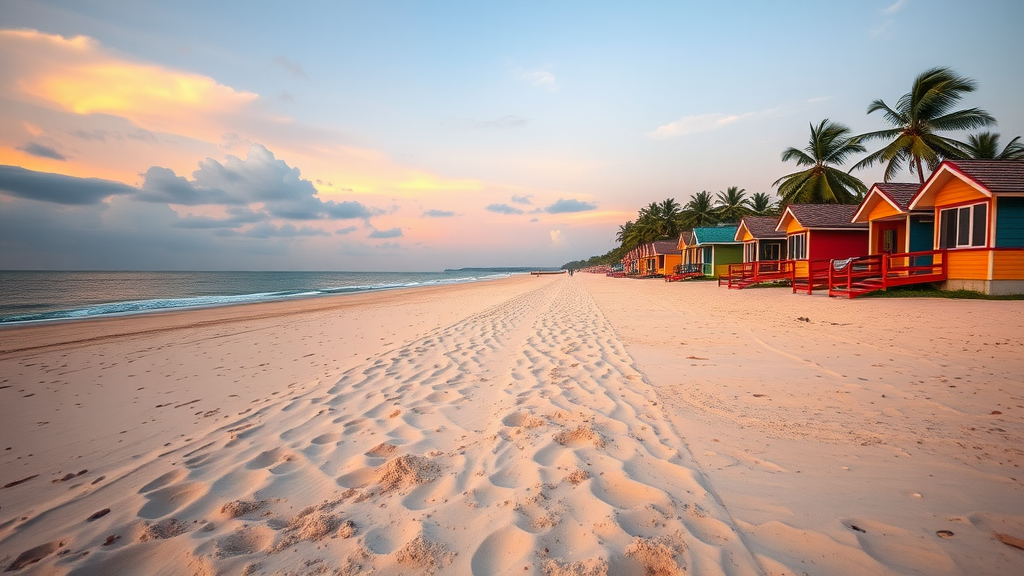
point(33, 555)
point(166, 500)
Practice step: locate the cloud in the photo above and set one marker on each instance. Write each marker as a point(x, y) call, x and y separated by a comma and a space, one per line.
point(534, 219)
point(58, 188)
point(237, 217)
point(895, 7)
point(293, 68)
point(438, 214)
point(539, 78)
point(704, 123)
point(268, 230)
point(80, 76)
point(556, 237)
point(260, 178)
point(566, 206)
point(507, 122)
point(522, 199)
point(42, 151)
point(389, 246)
point(346, 230)
point(393, 233)
point(503, 209)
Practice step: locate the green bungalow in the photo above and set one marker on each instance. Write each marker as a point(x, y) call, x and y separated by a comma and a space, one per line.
point(713, 249)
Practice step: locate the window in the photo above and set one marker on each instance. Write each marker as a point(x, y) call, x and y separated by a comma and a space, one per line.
point(750, 252)
point(964, 226)
point(888, 241)
point(797, 247)
point(770, 251)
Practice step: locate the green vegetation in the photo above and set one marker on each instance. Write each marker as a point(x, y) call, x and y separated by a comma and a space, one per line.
point(830, 145)
point(929, 291)
point(918, 117)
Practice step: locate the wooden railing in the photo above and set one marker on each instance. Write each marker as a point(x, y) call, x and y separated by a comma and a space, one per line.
point(748, 273)
point(858, 276)
point(810, 274)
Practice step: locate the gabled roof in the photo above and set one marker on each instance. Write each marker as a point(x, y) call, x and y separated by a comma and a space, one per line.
point(896, 194)
point(760, 227)
point(685, 237)
point(715, 235)
point(821, 217)
point(664, 247)
point(990, 177)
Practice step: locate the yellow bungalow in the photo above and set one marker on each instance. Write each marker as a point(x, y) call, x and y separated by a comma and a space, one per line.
point(659, 258)
point(978, 208)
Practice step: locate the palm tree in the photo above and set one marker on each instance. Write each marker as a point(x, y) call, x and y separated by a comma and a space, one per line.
point(699, 211)
point(761, 205)
point(830, 145)
point(918, 115)
point(671, 216)
point(985, 146)
point(732, 204)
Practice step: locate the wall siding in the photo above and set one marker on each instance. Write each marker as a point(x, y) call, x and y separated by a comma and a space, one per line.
point(968, 264)
point(955, 192)
point(1009, 222)
point(829, 244)
point(882, 210)
point(1008, 265)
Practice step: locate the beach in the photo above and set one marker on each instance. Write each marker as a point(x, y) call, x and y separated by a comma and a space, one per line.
point(528, 425)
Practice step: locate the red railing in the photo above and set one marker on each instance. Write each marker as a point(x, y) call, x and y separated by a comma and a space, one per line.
point(748, 273)
point(857, 276)
point(816, 277)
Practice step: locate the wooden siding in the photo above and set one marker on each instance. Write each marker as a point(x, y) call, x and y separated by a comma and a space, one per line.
point(747, 236)
point(956, 192)
point(1008, 265)
point(792, 227)
point(829, 244)
point(882, 209)
point(1009, 222)
point(968, 264)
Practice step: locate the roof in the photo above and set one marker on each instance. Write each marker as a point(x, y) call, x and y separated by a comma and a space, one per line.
point(716, 235)
point(990, 177)
point(664, 246)
point(901, 193)
point(821, 216)
point(761, 227)
point(685, 237)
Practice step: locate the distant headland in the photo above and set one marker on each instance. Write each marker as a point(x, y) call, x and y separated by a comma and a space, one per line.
point(505, 269)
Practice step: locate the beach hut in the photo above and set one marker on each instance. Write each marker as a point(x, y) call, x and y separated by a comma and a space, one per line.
point(764, 249)
point(978, 209)
point(655, 259)
point(816, 234)
point(710, 250)
point(892, 228)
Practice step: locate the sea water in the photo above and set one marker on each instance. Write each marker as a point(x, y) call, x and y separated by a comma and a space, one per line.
point(42, 296)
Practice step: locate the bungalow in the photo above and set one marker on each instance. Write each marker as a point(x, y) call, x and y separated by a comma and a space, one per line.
point(892, 228)
point(661, 257)
point(710, 250)
point(817, 234)
point(978, 206)
point(763, 248)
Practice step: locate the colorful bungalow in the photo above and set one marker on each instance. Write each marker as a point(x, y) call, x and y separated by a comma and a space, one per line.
point(710, 250)
point(978, 208)
point(763, 251)
point(817, 234)
point(892, 228)
point(660, 257)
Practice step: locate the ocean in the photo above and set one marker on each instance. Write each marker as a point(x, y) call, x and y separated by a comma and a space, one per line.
point(42, 296)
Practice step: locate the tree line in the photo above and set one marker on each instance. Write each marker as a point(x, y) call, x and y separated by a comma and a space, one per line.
point(914, 140)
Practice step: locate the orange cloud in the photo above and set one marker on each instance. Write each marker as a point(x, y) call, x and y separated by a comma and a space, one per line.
point(78, 75)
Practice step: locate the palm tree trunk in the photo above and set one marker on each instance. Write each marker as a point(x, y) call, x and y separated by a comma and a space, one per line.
point(920, 172)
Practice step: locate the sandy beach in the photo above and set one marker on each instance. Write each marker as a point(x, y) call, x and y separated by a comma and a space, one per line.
point(530, 425)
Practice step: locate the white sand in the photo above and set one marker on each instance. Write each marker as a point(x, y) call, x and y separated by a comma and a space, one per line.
point(524, 426)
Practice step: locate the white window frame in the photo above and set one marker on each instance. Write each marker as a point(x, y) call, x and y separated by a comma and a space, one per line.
point(954, 213)
point(791, 252)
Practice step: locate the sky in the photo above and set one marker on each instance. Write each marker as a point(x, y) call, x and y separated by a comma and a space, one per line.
point(418, 136)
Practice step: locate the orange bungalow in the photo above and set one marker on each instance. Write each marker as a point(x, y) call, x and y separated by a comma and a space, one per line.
point(978, 208)
point(660, 257)
point(892, 228)
point(815, 235)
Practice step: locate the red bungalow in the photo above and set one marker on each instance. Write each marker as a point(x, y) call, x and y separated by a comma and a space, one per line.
point(817, 234)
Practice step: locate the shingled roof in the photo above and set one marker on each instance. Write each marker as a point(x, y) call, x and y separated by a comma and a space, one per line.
point(818, 216)
point(665, 247)
point(901, 193)
point(762, 227)
point(998, 176)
